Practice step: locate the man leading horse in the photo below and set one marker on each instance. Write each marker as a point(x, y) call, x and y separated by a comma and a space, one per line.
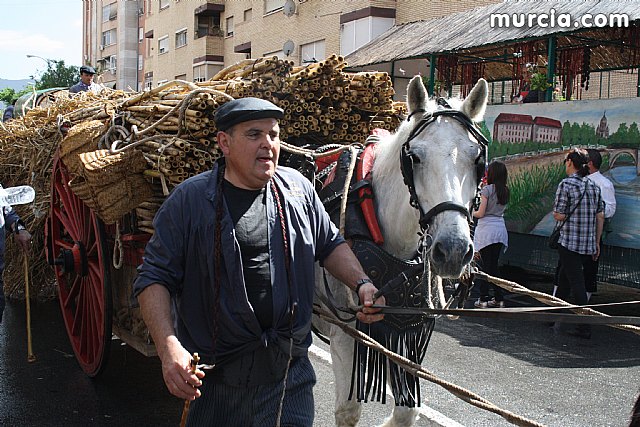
point(233, 256)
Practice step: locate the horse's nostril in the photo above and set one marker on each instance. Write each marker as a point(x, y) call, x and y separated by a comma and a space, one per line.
point(468, 256)
point(437, 252)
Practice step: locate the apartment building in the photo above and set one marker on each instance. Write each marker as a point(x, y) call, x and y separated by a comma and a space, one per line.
point(143, 43)
point(111, 41)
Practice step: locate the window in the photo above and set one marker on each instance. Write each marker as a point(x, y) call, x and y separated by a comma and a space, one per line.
point(181, 38)
point(140, 62)
point(248, 14)
point(312, 52)
point(109, 37)
point(164, 4)
point(273, 5)
point(112, 64)
point(161, 82)
point(148, 83)
point(181, 77)
point(229, 23)
point(163, 45)
point(355, 34)
point(140, 34)
point(109, 12)
point(200, 73)
point(208, 26)
point(205, 71)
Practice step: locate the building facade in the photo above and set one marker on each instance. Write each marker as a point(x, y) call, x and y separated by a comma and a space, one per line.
point(110, 41)
point(143, 43)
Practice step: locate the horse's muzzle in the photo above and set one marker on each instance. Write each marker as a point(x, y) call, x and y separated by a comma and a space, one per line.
point(450, 255)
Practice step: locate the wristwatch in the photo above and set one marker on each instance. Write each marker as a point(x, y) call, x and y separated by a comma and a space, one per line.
point(361, 282)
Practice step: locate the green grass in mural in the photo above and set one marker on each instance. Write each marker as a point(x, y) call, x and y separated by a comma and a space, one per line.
point(531, 191)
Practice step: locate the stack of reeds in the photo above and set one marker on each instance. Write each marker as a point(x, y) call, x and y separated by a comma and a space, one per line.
point(173, 127)
point(27, 148)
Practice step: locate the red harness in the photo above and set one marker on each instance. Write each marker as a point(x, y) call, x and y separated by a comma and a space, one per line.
point(364, 166)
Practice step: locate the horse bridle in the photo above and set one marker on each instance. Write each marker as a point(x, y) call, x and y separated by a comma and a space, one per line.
point(407, 160)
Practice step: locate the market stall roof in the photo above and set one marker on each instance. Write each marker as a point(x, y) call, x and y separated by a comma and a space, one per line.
point(470, 35)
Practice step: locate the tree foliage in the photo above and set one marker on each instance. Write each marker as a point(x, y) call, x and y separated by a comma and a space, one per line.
point(8, 94)
point(57, 75)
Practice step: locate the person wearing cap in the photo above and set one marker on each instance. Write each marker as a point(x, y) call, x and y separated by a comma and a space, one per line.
point(86, 81)
point(229, 274)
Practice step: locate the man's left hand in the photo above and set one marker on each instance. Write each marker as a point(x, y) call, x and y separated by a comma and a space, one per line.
point(23, 238)
point(368, 314)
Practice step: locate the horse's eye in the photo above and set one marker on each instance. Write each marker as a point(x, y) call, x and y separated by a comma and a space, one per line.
point(414, 158)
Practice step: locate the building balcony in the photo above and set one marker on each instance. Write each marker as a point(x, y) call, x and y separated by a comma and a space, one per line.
point(208, 45)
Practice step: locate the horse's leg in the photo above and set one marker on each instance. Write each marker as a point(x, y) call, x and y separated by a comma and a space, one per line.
point(347, 412)
point(401, 417)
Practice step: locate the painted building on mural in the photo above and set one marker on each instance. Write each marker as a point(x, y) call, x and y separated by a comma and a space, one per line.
point(546, 130)
point(603, 127)
point(521, 128)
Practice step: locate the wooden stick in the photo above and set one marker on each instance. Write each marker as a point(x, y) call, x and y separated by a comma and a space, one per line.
point(30, 356)
point(187, 402)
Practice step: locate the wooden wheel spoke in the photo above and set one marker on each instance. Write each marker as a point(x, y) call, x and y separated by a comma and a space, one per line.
point(71, 299)
point(63, 244)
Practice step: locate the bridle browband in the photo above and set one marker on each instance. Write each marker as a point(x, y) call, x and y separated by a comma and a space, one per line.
point(407, 160)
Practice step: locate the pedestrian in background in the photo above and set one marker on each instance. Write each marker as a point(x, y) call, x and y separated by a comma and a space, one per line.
point(608, 194)
point(9, 112)
point(579, 206)
point(490, 237)
point(86, 81)
point(12, 224)
point(233, 256)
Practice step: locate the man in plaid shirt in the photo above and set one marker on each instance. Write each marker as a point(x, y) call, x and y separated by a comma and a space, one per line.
point(580, 235)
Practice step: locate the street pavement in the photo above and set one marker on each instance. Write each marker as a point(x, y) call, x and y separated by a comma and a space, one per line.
point(556, 380)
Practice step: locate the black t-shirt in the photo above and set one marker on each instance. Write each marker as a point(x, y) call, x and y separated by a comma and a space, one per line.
point(249, 214)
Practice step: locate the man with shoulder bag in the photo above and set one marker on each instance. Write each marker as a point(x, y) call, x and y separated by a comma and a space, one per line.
point(579, 206)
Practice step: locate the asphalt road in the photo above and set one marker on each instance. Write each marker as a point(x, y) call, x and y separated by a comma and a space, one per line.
point(556, 380)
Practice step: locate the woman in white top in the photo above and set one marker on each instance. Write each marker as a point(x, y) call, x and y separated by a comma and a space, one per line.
point(490, 237)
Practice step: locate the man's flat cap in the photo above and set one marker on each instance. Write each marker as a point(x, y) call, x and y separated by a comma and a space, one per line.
point(87, 69)
point(244, 110)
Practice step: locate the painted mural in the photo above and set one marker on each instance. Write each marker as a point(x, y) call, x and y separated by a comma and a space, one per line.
point(533, 139)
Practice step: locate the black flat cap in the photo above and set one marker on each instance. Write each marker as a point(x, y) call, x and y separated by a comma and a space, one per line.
point(87, 69)
point(245, 109)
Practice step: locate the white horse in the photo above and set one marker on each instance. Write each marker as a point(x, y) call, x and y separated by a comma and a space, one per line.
point(444, 156)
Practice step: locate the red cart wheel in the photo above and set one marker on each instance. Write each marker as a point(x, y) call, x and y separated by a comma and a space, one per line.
point(77, 241)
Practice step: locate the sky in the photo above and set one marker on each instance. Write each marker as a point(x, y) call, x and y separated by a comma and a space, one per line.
point(51, 29)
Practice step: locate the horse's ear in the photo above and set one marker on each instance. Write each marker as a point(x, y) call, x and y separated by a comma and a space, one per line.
point(475, 104)
point(416, 94)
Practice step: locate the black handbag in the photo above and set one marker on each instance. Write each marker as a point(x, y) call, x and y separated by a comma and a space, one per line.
point(554, 237)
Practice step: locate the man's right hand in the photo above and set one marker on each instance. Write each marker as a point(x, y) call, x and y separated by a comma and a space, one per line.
point(176, 371)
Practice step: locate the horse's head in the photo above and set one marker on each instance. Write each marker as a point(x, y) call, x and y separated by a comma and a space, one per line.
point(442, 160)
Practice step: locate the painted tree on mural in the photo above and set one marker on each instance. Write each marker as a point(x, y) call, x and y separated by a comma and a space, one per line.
point(625, 136)
point(575, 134)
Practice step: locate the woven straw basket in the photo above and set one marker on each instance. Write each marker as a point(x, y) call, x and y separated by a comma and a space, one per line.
point(80, 138)
point(111, 184)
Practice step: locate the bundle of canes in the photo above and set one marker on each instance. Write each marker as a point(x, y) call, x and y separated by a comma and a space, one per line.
point(30, 356)
point(185, 410)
